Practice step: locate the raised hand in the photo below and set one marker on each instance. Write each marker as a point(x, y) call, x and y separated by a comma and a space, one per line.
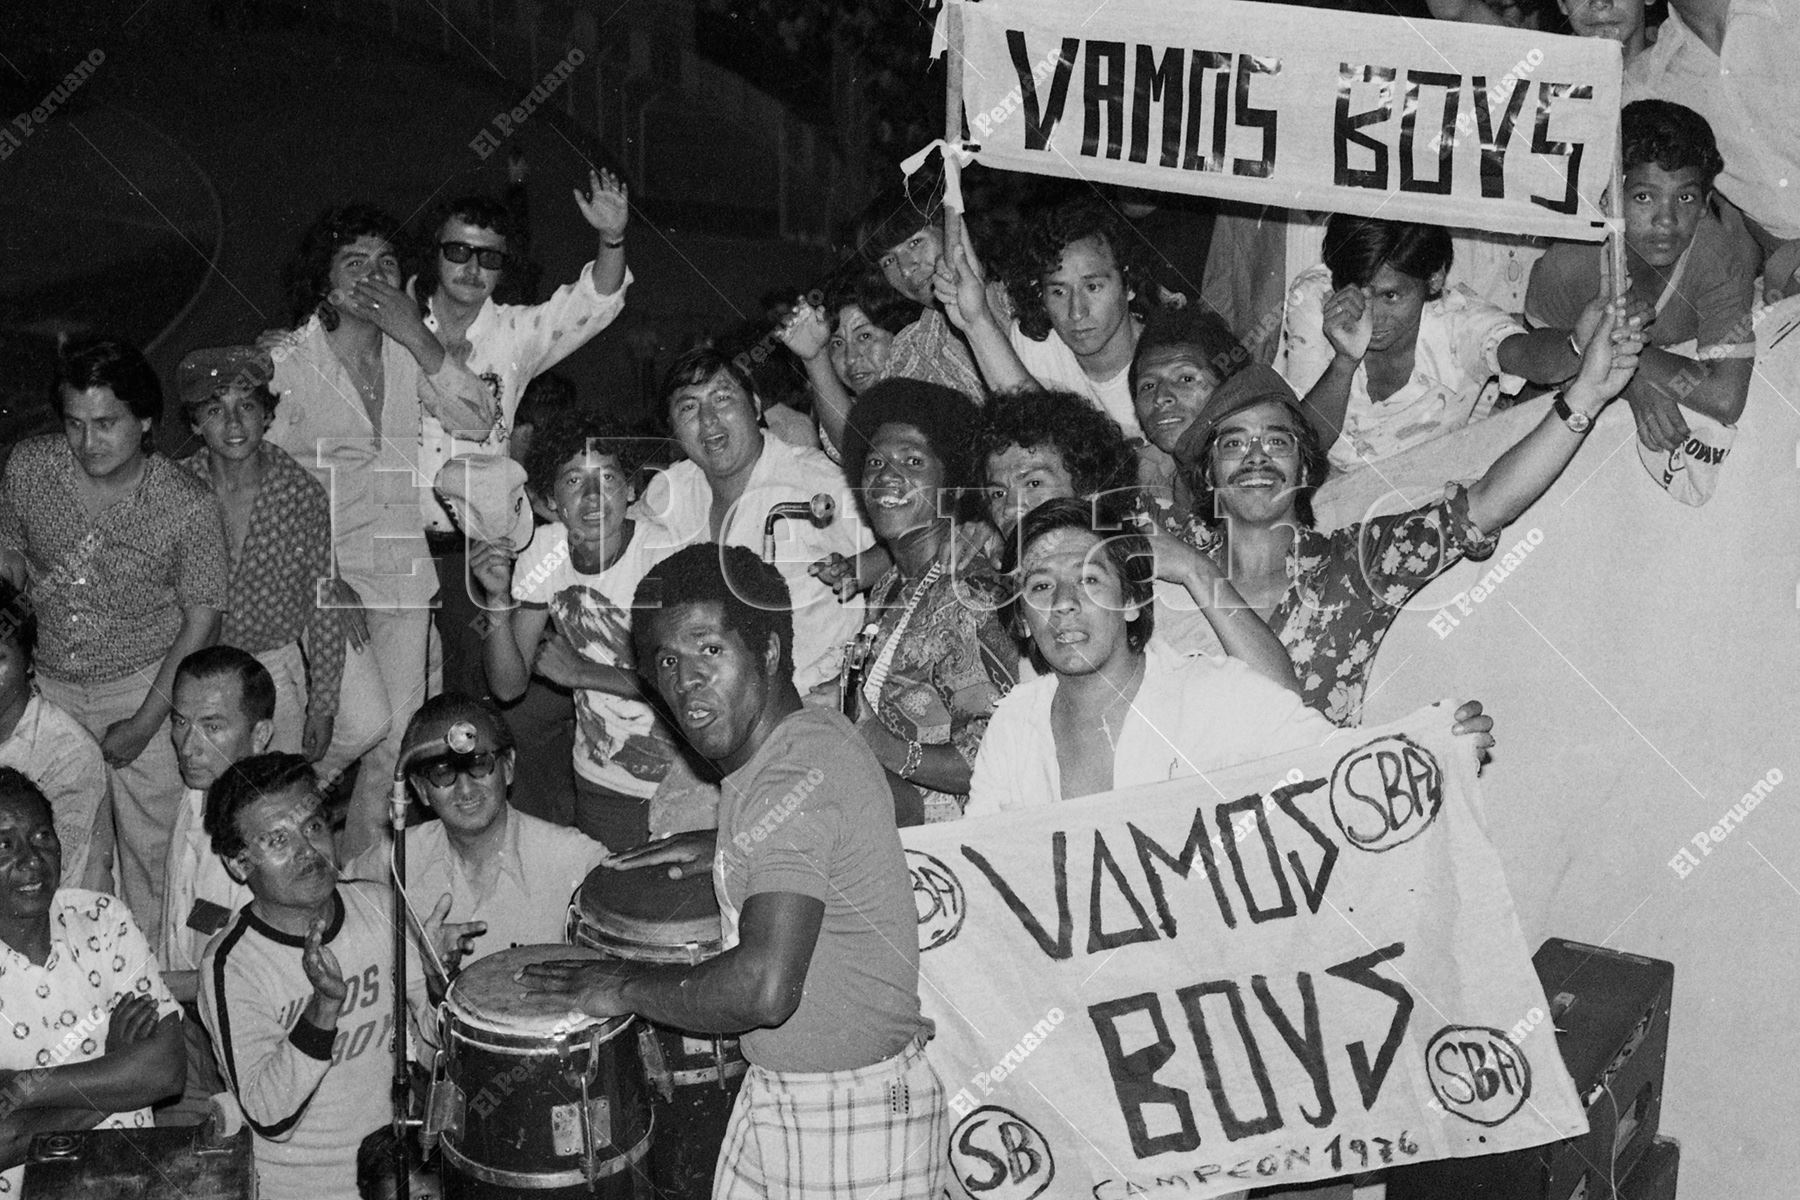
point(491, 565)
point(960, 284)
point(322, 970)
point(387, 308)
point(607, 206)
point(1472, 722)
point(806, 331)
point(837, 573)
point(1348, 322)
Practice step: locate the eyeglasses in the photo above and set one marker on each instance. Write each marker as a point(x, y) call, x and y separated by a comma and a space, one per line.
point(490, 258)
point(442, 772)
point(1236, 445)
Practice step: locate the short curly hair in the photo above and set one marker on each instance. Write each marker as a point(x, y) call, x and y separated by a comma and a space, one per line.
point(752, 595)
point(242, 784)
point(1054, 231)
point(1092, 447)
point(307, 277)
point(572, 431)
point(1196, 326)
point(1671, 136)
point(946, 417)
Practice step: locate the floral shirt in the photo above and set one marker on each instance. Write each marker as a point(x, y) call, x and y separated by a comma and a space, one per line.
point(1346, 587)
point(954, 661)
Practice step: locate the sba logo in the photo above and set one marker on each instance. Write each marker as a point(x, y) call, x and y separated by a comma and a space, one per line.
point(997, 1155)
point(1477, 1073)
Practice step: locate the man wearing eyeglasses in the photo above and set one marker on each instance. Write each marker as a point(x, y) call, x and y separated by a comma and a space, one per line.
point(1255, 458)
point(495, 877)
point(506, 346)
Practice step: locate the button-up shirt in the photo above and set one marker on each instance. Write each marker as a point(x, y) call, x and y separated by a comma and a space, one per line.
point(526, 902)
point(110, 590)
point(373, 476)
point(194, 874)
point(509, 345)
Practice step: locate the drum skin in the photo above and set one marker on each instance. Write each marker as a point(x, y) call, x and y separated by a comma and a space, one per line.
point(517, 1065)
point(644, 916)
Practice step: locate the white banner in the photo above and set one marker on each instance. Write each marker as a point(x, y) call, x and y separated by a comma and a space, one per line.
point(1452, 124)
point(1296, 969)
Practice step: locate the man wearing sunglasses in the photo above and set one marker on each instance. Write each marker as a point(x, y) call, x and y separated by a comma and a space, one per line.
point(493, 876)
point(506, 345)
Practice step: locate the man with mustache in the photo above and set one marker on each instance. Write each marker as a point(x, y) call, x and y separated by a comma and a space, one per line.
point(296, 990)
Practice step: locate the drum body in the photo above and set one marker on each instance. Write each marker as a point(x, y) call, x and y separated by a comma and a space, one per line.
point(537, 1100)
point(644, 916)
point(187, 1163)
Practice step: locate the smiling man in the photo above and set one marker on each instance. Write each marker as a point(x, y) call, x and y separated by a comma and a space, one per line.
point(1331, 597)
point(497, 877)
point(734, 474)
point(96, 1037)
point(297, 990)
point(506, 346)
point(821, 968)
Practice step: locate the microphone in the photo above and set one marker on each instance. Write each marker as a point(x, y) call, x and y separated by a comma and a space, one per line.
point(819, 510)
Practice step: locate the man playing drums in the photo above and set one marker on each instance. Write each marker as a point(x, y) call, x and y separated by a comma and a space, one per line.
point(820, 971)
point(498, 877)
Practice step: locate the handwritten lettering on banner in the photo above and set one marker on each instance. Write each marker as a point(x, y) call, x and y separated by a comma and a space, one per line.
point(1466, 125)
point(1290, 970)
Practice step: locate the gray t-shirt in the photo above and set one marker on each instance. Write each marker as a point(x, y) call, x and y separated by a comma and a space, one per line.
point(811, 814)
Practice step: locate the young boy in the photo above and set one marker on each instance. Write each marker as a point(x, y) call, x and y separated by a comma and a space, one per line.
point(581, 571)
point(1695, 278)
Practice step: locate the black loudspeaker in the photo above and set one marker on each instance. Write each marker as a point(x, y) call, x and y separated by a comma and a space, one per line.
point(183, 1163)
point(1611, 1014)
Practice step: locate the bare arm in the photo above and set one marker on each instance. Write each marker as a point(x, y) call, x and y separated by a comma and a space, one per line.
point(1348, 325)
point(1542, 356)
point(131, 1076)
point(1522, 474)
point(125, 739)
point(1243, 635)
point(607, 208)
point(960, 285)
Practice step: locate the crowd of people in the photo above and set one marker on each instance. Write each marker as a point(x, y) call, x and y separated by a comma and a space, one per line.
point(981, 522)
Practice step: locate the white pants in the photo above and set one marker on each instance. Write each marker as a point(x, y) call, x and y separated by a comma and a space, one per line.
point(287, 668)
point(384, 684)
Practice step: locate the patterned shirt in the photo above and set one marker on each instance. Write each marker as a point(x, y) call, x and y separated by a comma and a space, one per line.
point(274, 587)
point(954, 661)
point(56, 752)
point(931, 350)
point(59, 1013)
point(110, 591)
point(1346, 587)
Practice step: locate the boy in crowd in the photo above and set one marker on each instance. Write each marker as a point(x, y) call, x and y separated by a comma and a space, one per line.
point(1691, 280)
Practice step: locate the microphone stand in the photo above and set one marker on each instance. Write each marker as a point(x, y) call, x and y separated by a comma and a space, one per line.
point(402, 1088)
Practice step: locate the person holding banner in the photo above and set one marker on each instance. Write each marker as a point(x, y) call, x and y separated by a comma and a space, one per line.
point(1331, 597)
point(1692, 280)
point(821, 968)
point(1384, 355)
point(1110, 709)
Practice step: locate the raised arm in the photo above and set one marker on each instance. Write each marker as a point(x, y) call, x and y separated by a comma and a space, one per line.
point(606, 207)
point(1522, 474)
point(960, 285)
point(1242, 634)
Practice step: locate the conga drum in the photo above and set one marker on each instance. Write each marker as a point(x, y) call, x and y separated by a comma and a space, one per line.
point(644, 916)
point(542, 1101)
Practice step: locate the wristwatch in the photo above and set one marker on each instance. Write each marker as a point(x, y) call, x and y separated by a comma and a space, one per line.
point(1578, 422)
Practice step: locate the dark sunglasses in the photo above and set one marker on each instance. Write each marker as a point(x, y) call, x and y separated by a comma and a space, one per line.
point(442, 772)
point(459, 252)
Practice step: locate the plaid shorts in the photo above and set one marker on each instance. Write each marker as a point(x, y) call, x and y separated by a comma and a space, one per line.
point(874, 1133)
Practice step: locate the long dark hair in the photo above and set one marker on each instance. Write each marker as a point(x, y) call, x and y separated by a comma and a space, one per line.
point(308, 274)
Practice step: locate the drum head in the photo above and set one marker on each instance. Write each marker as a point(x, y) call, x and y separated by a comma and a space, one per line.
point(486, 996)
point(644, 907)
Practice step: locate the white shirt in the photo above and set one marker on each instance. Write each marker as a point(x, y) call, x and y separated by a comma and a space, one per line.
point(60, 1013)
point(1191, 715)
point(620, 743)
point(681, 498)
point(194, 873)
point(1454, 363)
point(372, 475)
point(509, 346)
point(1054, 365)
point(56, 752)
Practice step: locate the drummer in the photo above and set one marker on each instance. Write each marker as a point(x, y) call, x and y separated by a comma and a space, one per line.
point(821, 968)
point(497, 877)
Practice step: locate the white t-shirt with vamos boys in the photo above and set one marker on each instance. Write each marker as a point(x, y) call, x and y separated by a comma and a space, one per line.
point(620, 743)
